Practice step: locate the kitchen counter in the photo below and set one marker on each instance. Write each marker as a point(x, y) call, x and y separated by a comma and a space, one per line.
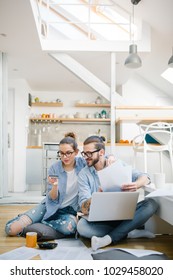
point(80, 144)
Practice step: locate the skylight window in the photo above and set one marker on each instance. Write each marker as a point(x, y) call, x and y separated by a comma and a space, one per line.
point(168, 75)
point(84, 20)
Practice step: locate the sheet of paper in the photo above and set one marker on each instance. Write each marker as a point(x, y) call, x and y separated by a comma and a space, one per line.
point(140, 253)
point(22, 253)
point(67, 249)
point(70, 242)
point(66, 253)
point(112, 177)
point(135, 252)
point(161, 192)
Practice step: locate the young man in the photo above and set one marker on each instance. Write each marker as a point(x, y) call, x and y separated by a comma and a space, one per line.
point(106, 232)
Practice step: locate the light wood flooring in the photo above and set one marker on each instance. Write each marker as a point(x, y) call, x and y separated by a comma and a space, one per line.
point(162, 243)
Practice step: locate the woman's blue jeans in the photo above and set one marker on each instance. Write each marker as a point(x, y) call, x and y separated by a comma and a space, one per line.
point(118, 230)
point(35, 214)
point(64, 223)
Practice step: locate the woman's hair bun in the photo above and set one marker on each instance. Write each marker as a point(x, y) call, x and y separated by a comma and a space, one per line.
point(70, 134)
point(103, 138)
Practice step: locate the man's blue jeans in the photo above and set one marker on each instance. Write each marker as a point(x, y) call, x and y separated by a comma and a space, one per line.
point(118, 230)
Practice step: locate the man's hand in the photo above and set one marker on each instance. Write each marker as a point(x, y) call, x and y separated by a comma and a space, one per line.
point(111, 159)
point(134, 186)
point(131, 187)
point(86, 206)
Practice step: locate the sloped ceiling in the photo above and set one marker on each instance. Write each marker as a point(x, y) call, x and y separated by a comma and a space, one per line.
point(26, 60)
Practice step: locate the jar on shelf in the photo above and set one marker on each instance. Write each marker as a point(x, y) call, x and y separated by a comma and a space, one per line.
point(97, 115)
point(98, 100)
point(103, 114)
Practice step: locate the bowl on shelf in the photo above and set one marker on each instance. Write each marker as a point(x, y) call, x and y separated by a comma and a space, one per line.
point(63, 116)
point(89, 116)
point(70, 116)
point(80, 101)
point(80, 115)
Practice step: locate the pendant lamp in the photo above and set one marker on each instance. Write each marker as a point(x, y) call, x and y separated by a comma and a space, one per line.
point(133, 60)
point(170, 62)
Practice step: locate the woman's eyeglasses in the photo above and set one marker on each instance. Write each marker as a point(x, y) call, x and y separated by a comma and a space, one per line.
point(67, 154)
point(89, 154)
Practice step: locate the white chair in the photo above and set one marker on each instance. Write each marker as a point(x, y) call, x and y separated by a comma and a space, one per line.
point(161, 134)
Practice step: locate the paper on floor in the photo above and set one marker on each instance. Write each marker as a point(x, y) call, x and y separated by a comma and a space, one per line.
point(67, 249)
point(22, 253)
point(135, 252)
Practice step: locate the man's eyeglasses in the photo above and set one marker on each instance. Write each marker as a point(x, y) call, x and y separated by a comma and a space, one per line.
point(67, 154)
point(89, 154)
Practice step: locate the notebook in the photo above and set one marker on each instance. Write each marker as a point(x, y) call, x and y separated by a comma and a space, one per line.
point(111, 206)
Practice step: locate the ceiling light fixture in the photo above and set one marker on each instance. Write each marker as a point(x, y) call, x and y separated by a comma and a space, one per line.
point(135, 2)
point(170, 62)
point(133, 60)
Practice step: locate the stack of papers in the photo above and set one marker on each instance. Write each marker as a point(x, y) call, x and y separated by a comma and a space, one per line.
point(114, 176)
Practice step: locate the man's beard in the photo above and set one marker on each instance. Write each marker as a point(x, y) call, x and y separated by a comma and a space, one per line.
point(92, 162)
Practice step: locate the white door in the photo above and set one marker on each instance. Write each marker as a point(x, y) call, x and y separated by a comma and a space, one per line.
point(11, 140)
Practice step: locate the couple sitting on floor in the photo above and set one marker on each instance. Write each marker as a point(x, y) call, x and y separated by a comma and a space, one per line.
point(71, 182)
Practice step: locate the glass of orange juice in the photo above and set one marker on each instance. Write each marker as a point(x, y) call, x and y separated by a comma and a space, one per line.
point(31, 239)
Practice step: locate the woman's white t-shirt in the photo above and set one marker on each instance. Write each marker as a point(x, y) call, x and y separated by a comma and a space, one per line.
point(71, 198)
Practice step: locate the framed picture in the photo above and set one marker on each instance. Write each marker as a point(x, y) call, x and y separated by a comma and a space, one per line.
point(29, 100)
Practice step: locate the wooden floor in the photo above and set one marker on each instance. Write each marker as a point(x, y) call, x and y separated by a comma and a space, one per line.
point(162, 243)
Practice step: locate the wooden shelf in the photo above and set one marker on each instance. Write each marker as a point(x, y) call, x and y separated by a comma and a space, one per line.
point(103, 105)
point(47, 104)
point(73, 120)
point(144, 107)
point(143, 119)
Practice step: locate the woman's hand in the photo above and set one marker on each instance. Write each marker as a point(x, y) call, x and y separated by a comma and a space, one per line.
point(54, 191)
point(53, 180)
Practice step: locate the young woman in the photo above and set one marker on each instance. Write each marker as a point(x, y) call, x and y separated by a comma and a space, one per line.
point(60, 206)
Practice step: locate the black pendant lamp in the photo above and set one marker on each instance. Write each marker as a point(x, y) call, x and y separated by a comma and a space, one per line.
point(170, 62)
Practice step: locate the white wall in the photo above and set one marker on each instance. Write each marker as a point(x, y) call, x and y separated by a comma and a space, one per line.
point(21, 90)
point(137, 91)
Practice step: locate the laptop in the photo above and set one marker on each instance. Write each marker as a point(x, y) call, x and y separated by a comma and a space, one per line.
point(112, 206)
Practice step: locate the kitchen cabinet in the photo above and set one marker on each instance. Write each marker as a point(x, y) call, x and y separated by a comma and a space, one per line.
point(143, 114)
point(38, 161)
point(33, 167)
point(128, 118)
point(49, 156)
